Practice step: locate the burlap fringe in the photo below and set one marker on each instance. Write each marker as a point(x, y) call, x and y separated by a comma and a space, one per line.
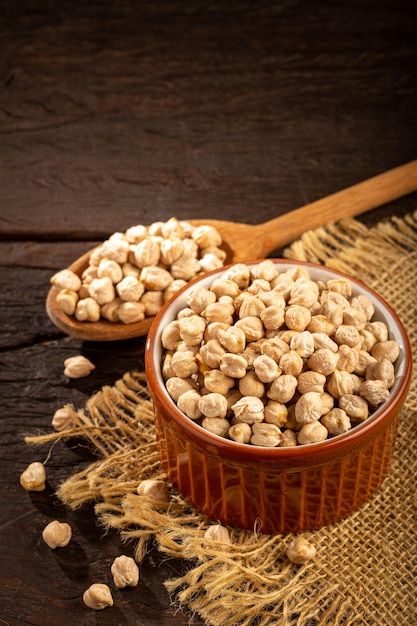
point(251, 582)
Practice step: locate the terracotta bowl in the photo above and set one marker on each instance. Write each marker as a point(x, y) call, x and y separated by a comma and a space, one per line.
point(276, 490)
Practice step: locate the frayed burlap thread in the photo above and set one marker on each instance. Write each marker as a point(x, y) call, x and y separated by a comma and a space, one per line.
point(365, 571)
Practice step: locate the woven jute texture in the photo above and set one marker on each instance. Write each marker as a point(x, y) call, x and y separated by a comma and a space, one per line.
point(365, 570)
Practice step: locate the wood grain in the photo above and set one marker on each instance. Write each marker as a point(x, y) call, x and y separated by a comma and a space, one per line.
point(110, 115)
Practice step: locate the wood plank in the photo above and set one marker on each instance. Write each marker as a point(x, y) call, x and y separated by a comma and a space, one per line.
point(210, 110)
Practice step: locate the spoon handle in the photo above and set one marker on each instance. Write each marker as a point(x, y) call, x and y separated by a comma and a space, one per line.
point(348, 202)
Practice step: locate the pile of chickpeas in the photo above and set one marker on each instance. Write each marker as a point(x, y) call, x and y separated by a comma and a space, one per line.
point(132, 274)
point(274, 358)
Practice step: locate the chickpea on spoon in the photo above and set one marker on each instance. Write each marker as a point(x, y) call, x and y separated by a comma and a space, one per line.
point(120, 301)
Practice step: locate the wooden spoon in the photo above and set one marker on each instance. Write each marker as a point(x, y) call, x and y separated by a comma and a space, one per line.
point(244, 242)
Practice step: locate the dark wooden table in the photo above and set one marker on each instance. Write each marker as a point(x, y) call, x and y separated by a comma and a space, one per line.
point(119, 113)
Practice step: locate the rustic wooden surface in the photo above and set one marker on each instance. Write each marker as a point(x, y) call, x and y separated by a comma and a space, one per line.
point(113, 114)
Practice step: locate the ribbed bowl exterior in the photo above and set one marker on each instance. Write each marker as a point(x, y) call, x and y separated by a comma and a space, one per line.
point(249, 494)
point(276, 490)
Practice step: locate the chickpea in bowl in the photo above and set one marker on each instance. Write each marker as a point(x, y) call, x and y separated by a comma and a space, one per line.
point(277, 387)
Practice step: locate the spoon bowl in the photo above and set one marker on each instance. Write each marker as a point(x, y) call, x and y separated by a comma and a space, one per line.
point(244, 242)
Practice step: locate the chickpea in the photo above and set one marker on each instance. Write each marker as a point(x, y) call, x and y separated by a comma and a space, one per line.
point(340, 286)
point(311, 381)
point(309, 407)
point(312, 432)
point(274, 348)
point(177, 386)
point(300, 551)
point(283, 284)
point(375, 392)
point(249, 409)
point(224, 287)
point(185, 267)
point(218, 382)
point(339, 383)
point(191, 329)
point(283, 388)
point(355, 406)
point(266, 369)
point(250, 385)
point(378, 329)
point(323, 341)
point(171, 249)
point(363, 303)
point(320, 324)
point(323, 361)
point(304, 292)
point(276, 413)
point(211, 353)
point(250, 306)
point(218, 312)
point(303, 343)
point(336, 421)
point(155, 489)
point(233, 365)
point(171, 335)
point(265, 434)
point(388, 349)
point(239, 273)
point(333, 312)
point(291, 363)
point(364, 361)
point(381, 370)
point(347, 334)
point(184, 364)
point(327, 402)
point(297, 317)
point(272, 316)
point(189, 403)
point(240, 432)
point(348, 358)
point(212, 330)
point(354, 317)
point(216, 425)
point(218, 533)
point(233, 339)
point(289, 438)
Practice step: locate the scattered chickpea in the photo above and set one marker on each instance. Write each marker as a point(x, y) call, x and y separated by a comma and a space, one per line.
point(34, 477)
point(155, 489)
point(125, 571)
point(300, 551)
point(61, 419)
point(57, 534)
point(218, 533)
point(78, 366)
point(98, 596)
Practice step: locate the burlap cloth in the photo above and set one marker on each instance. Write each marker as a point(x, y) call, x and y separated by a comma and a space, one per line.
point(365, 569)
